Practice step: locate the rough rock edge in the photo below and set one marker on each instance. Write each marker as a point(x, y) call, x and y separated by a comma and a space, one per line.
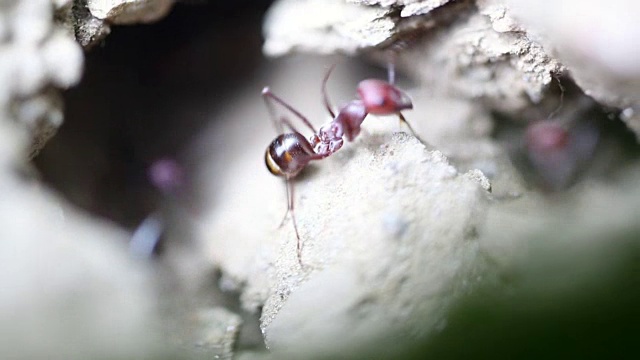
point(408, 7)
point(497, 47)
point(121, 12)
point(504, 45)
point(90, 21)
point(274, 276)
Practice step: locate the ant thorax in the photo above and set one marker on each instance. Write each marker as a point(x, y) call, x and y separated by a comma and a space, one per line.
point(328, 139)
point(351, 117)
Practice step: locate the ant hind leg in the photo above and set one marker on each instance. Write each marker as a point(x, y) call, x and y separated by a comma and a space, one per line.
point(290, 210)
point(413, 132)
point(284, 218)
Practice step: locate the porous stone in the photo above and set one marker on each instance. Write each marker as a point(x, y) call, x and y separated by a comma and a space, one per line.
point(408, 7)
point(473, 50)
point(335, 26)
point(391, 242)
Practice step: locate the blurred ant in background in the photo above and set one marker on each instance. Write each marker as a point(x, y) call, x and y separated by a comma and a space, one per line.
point(290, 151)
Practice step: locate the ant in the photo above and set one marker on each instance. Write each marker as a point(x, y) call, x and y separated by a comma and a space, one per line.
point(290, 152)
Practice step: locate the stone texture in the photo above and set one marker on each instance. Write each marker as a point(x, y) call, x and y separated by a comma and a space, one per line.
point(408, 7)
point(387, 229)
point(129, 11)
point(600, 44)
point(335, 26)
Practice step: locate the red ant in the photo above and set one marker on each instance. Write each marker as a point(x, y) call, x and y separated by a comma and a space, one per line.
point(290, 152)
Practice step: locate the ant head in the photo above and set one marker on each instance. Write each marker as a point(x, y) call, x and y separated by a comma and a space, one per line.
point(288, 154)
point(381, 98)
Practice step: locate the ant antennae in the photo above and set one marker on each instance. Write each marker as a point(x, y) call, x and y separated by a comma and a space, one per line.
point(325, 97)
point(268, 95)
point(557, 110)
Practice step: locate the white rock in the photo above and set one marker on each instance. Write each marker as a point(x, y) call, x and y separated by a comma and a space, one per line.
point(332, 27)
point(63, 59)
point(129, 11)
point(598, 41)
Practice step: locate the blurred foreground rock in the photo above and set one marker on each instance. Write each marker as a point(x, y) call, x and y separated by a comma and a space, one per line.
point(36, 59)
point(69, 288)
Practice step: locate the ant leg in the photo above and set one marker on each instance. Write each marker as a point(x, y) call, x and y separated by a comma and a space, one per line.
point(290, 199)
point(413, 132)
point(391, 67)
point(325, 97)
point(286, 184)
point(268, 95)
point(290, 205)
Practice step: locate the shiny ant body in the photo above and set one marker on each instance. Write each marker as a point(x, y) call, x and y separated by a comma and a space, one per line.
point(290, 152)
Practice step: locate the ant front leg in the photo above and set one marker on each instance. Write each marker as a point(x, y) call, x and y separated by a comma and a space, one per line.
point(391, 68)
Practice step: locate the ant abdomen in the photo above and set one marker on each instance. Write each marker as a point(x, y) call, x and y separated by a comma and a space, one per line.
point(288, 154)
point(382, 98)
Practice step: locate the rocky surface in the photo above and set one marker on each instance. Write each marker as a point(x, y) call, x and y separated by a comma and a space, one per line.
point(70, 289)
point(477, 65)
point(90, 21)
point(400, 248)
point(388, 231)
point(395, 236)
point(599, 44)
point(505, 53)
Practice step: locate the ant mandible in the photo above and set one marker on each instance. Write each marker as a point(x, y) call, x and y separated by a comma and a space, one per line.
point(290, 152)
